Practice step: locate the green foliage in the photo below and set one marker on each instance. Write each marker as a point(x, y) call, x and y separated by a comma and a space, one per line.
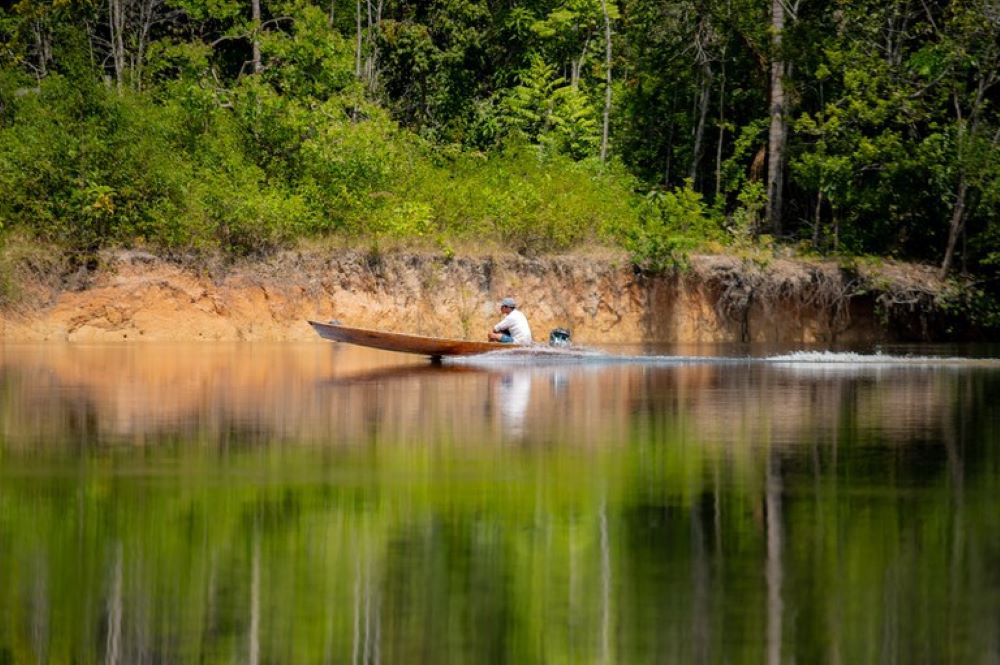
point(973, 304)
point(751, 137)
point(435, 67)
point(673, 223)
point(546, 110)
point(86, 167)
point(171, 61)
point(310, 60)
point(566, 33)
point(245, 215)
point(527, 200)
point(745, 222)
point(476, 120)
point(200, 11)
point(896, 135)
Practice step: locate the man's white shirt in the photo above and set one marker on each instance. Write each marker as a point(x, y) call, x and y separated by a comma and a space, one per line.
point(515, 324)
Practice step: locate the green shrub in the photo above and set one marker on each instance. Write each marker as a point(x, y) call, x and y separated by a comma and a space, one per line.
point(526, 200)
point(672, 224)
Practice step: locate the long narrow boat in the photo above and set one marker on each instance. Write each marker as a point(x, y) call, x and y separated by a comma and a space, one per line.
point(435, 347)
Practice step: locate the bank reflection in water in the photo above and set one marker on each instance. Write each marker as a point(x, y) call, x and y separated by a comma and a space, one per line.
point(312, 504)
point(309, 395)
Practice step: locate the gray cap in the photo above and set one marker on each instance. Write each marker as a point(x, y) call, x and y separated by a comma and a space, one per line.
point(508, 302)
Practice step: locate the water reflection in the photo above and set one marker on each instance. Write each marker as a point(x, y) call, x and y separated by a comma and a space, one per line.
point(513, 394)
point(254, 394)
point(281, 503)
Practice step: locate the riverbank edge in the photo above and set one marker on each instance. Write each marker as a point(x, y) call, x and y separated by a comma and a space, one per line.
point(131, 295)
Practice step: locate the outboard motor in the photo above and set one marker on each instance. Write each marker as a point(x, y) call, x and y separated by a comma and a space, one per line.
point(560, 337)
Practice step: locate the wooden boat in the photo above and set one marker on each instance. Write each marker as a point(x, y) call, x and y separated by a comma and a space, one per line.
point(435, 347)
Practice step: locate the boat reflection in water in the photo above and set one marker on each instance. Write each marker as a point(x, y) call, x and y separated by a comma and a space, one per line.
point(319, 503)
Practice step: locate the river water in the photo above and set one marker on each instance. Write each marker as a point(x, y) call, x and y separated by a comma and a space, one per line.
point(318, 503)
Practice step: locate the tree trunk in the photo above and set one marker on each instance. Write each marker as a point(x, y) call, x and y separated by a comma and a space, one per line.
point(960, 210)
point(670, 141)
point(357, 45)
point(722, 130)
point(255, 8)
point(43, 42)
point(370, 57)
point(147, 16)
point(779, 129)
point(817, 218)
point(836, 228)
point(699, 132)
point(371, 61)
point(116, 25)
point(576, 65)
point(957, 219)
point(607, 81)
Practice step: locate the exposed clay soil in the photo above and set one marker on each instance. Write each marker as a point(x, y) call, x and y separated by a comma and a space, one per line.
point(137, 296)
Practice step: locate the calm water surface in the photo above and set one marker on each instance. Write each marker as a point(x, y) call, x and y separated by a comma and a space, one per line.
point(324, 504)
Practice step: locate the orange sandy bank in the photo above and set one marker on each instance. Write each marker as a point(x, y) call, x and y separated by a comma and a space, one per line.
point(137, 296)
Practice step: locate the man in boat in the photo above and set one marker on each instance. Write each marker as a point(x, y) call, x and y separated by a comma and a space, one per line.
point(514, 328)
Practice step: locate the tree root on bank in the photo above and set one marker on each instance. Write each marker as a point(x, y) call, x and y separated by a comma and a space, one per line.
point(824, 288)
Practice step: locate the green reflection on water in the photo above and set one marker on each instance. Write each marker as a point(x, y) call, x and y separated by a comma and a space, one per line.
point(277, 509)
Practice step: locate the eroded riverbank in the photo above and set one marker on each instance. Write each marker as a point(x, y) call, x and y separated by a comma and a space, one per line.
point(137, 296)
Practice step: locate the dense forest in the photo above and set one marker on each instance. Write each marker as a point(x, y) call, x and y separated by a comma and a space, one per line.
point(869, 127)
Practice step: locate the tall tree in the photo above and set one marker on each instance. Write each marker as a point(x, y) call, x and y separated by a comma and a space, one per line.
point(705, 41)
point(607, 80)
point(778, 133)
point(255, 36)
point(116, 29)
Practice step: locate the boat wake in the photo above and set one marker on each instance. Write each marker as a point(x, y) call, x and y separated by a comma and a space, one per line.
point(531, 355)
point(545, 355)
point(831, 358)
point(798, 360)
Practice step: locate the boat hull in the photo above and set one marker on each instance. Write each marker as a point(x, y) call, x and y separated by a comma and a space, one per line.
point(435, 347)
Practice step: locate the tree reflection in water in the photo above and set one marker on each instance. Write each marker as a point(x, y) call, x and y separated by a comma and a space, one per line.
point(288, 505)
